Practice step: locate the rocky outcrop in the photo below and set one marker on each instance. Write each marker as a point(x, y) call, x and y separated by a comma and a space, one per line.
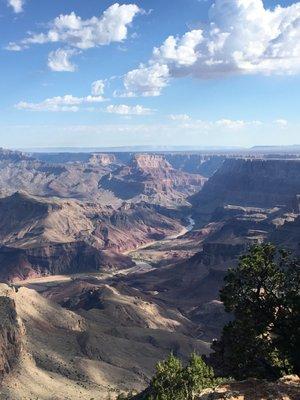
point(10, 335)
point(102, 159)
point(250, 183)
point(151, 177)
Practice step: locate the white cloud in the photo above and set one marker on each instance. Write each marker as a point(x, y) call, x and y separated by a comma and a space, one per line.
point(66, 103)
point(231, 124)
point(72, 30)
point(146, 81)
point(180, 51)
point(17, 5)
point(283, 123)
point(179, 117)
point(13, 47)
point(98, 88)
point(123, 109)
point(241, 37)
point(60, 60)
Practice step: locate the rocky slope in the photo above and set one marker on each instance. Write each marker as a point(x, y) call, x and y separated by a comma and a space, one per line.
point(30, 220)
point(57, 259)
point(104, 346)
point(41, 236)
point(287, 388)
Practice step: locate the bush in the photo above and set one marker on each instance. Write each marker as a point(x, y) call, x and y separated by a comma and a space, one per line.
point(173, 381)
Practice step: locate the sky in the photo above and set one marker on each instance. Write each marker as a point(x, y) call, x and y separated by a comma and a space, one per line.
point(95, 73)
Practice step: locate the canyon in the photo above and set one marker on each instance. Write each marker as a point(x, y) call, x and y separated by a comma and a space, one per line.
point(110, 261)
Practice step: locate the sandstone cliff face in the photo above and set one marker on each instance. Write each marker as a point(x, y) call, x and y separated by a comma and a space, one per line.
point(252, 183)
point(10, 336)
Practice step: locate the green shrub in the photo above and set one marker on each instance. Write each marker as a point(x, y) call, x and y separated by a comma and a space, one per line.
point(263, 294)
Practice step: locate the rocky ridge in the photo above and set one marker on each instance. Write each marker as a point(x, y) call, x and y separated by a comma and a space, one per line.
point(41, 236)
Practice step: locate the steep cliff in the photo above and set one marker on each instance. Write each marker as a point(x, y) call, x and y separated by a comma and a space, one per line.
point(204, 165)
point(10, 334)
point(250, 183)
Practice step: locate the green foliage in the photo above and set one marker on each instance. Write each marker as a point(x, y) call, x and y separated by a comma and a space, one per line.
point(197, 375)
point(166, 383)
point(175, 381)
point(263, 293)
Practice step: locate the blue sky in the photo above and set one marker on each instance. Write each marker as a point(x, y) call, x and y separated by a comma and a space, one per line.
point(172, 72)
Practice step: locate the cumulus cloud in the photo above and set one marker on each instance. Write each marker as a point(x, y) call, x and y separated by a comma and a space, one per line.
point(146, 81)
point(60, 60)
point(179, 51)
point(241, 37)
point(123, 109)
point(17, 5)
point(72, 30)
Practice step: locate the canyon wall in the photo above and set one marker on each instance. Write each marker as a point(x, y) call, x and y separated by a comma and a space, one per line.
point(250, 183)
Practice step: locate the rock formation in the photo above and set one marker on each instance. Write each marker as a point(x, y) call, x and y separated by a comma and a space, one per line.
point(10, 335)
point(152, 177)
point(250, 183)
point(42, 236)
